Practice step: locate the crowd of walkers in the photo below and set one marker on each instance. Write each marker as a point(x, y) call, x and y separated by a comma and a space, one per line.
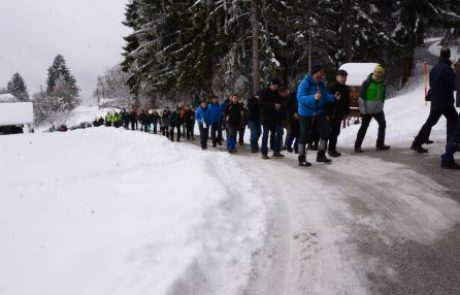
point(312, 116)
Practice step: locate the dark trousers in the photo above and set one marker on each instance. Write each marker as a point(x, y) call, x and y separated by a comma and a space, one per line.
point(216, 133)
point(155, 128)
point(241, 133)
point(256, 130)
point(171, 133)
point(451, 116)
point(268, 130)
point(232, 132)
point(190, 131)
point(317, 123)
point(452, 144)
point(204, 133)
point(380, 118)
point(133, 125)
point(336, 125)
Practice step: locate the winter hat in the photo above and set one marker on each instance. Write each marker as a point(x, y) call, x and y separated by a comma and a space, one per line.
point(316, 68)
point(275, 81)
point(341, 73)
point(379, 68)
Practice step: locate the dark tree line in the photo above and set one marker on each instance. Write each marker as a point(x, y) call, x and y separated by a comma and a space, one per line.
point(180, 47)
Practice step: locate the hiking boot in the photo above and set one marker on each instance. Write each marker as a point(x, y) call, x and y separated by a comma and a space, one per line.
point(321, 158)
point(383, 148)
point(450, 165)
point(265, 157)
point(359, 150)
point(428, 141)
point(278, 155)
point(419, 149)
point(289, 149)
point(303, 162)
point(334, 154)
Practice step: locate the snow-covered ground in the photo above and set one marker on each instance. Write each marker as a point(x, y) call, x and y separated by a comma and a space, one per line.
point(106, 211)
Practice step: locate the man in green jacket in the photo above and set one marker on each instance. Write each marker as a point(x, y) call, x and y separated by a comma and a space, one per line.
point(371, 102)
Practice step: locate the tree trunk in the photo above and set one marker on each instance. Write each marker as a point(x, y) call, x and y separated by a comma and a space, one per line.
point(347, 28)
point(255, 46)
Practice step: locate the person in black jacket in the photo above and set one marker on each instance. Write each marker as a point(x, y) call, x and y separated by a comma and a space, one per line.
point(293, 123)
point(442, 87)
point(143, 119)
point(338, 110)
point(269, 103)
point(190, 122)
point(233, 118)
point(254, 122)
point(125, 118)
point(133, 119)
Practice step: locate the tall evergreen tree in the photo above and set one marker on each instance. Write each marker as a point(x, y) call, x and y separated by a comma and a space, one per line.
point(18, 88)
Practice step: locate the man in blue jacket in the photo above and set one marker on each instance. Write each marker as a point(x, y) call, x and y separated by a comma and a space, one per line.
point(217, 114)
point(203, 118)
point(312, 96)
point(442, 87)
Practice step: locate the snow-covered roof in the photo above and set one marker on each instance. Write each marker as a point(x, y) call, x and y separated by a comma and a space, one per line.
point(358, 72)
point(8, 97)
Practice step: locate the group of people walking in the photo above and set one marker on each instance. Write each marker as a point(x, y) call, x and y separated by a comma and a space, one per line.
point(312, 115)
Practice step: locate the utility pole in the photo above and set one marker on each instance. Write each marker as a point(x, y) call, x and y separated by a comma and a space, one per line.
point(255, 46)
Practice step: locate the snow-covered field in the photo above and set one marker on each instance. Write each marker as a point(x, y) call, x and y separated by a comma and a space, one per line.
point(106, 211)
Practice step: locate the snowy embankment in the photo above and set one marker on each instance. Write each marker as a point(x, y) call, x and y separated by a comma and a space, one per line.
point(106, 211)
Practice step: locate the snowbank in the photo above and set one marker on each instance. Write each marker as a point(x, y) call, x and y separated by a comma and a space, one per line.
point(106, 211)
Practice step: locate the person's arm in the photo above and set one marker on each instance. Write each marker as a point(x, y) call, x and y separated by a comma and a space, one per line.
point(303, 97)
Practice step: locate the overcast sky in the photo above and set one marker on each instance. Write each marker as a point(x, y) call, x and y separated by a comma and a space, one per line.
point(88, 33)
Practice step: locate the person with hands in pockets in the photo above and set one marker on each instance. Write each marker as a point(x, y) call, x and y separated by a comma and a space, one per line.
point(311, 97)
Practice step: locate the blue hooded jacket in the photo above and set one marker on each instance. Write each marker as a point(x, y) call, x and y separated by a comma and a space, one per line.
point(308, 106)
point(217, 111)
point(203, 116)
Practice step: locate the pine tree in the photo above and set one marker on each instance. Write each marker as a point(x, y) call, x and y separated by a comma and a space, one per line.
point(62, 84)
point(18, 87)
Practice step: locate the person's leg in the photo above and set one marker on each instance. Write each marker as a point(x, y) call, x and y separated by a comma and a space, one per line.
point(258, 133)
point(219, 133)
point(323, 130)
point(447, 159)
point(171, 133)
point(336, 124)
point(424, 133)
point(452, 118)
point(380, 117)
point(252, 131)
point(279, 130)
point(304, 138)
point(366, 119)
point(265, 134)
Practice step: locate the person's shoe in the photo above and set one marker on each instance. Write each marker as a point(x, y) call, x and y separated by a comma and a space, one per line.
point(214, 145)
point(334, 154)
point(265, 157)
point(289, 149)
point(419, 149)
point(450, 165)
point(278, 155)
point(220, 143)
point(359, 150)
point(428, 141)
point(303, 162)
point(254, 151)
point(383, 148)
point(321, 158)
